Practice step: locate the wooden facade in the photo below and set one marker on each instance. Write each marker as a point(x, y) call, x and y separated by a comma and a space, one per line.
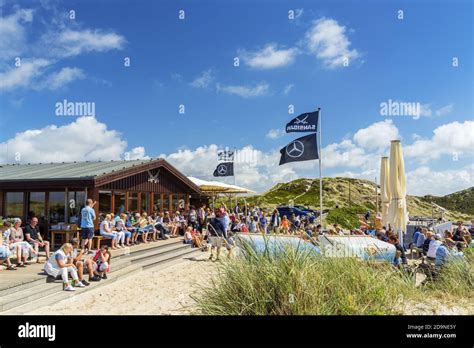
point(148, 187)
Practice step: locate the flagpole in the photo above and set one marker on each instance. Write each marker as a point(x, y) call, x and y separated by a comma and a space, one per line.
point(320, 173)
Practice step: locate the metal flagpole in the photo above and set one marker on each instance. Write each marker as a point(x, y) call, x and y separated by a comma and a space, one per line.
point(320, 173)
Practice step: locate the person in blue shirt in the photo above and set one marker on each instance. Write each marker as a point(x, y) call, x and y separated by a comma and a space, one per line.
point(421, 238)
point(263, 224)
point(87, 224)
point(416, 235)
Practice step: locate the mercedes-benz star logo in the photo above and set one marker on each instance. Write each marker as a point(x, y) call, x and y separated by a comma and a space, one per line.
point(222, 169)
point(295, 149)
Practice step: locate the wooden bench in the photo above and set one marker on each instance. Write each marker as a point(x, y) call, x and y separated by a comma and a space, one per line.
point(97, 240)
point(66, 236)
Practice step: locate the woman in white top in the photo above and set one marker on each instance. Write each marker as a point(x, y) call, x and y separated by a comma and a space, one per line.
point(106, 230)
point(17, 239)
point(61, 264)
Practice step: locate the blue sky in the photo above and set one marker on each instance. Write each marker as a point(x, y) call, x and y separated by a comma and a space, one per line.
point(283, 62)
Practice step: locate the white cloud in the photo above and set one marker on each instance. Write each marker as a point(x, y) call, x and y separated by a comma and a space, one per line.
point(135, 153)
point(24, 75)
point(288, 89)
point(203, 80)
point(61, 78)
point(13, 34)
point(328, 41)
point(269, 57)
point(71, 42)
point(343, 154)
point(427, 111)
point(453, 139)
point(275, 133)
point(377, 136)
point(67, 143)
point(258, 90)
point(423, 180)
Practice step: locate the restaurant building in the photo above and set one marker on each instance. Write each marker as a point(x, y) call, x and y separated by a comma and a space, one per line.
point(56, 192)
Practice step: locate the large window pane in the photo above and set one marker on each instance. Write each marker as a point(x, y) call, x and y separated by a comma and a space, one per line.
point(133, 202)
point(166, 202)
point(105, 202)
point(14, 204)
point(36, 205)
point(76, 201)
point(144, 201)
point(57, 207)
point(174, 202)
point(157, 202)
point(119, 201)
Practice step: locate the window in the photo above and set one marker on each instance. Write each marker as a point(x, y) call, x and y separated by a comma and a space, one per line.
point(166, 202)
point(76, 201)
point(157, 202)
point(36, 205)
point(14, 204)
point(105, 202)
point(119, 202)
point(174, 201)
point(57, 207)
point(132, 202)
point(144, 201)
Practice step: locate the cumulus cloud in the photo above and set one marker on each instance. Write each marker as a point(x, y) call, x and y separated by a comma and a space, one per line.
point(269, 57)
point(449, 139)
point(244, 91)
point(68, 143)
point(424, 180)
point(377, 136)
point(328, 41)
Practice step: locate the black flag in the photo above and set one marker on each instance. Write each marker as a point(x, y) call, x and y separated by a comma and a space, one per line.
point(224, 169)
point(301, 149)
point(307, 122)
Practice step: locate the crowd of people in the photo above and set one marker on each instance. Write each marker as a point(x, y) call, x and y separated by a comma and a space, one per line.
point(203, 228)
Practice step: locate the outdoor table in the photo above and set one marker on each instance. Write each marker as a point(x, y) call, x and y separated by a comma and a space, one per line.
point(65, 235)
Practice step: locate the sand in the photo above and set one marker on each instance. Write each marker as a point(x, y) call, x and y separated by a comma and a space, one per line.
point(156, 291)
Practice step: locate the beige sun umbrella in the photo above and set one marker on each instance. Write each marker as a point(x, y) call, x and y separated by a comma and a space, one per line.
point(397, 212)
point(384, 189)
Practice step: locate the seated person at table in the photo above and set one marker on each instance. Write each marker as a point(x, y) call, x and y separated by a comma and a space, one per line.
point(102, 261)
point(107, 231)
point(5, 254)
point(427, 242)
point(421, 238)
point(393, 239)
point(434, 245)
point(161, 227)
point(59, 265)
point(33, 236)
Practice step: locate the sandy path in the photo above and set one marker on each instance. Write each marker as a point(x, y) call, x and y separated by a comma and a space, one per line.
point(155, 291)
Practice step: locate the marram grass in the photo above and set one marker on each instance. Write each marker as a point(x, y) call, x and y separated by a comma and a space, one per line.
point(295, 282)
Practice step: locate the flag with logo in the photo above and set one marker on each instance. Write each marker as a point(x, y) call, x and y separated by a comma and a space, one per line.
point(301, 149)
point(224, 169)
point(307, 122)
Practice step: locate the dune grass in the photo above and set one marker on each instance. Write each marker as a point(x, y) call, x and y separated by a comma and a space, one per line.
point(296, 282)
point(292, 281)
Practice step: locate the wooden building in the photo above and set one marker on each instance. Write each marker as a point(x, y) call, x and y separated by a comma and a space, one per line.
point(56, 192)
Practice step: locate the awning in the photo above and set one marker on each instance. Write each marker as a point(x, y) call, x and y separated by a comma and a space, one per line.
point(218, 187)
